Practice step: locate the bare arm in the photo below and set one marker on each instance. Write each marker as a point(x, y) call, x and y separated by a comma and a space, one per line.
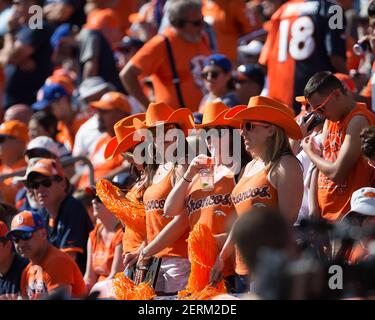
point(314, 210)
point(129, 78)
point(117, 265)
point(14, 51)
point(348, 155)
point(90, 69)
point(90, 276)
point(289, 185)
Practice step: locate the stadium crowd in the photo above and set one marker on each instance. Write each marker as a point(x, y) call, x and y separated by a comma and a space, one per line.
point(287, 89)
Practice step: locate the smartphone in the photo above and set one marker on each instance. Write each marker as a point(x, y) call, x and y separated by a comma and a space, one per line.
point(318, 119)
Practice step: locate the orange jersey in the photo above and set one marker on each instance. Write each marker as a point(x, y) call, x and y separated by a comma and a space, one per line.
point(56, 270)
point(252, 191)
point(132, 240)
point(9, 187)
point(212, 208)
point(152, 60)
point(299, 44)
point(229, 21)
point(102, 255)
point(101, 166)
point(334, 198)
point(154, 200)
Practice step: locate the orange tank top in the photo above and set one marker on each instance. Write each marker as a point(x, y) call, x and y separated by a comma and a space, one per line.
point(252, 191)
point(132, 240)
point(212, 208)
point(102, 255)
point(334, 198)
point(154, 201)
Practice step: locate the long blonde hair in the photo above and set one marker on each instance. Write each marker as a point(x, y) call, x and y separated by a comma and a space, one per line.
point(277, 146)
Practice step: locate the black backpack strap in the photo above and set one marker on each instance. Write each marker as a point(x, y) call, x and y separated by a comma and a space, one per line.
point(176, 79)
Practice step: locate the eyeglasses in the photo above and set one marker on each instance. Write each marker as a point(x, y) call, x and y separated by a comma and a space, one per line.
point(24, 236)
point(195, 23)
point(5, 138)
point(321, 107)
point(212, 74)
point(47, 183)
point(249, 126)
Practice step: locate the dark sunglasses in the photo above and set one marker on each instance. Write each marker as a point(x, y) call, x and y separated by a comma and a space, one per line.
point(24, 236)
point(39, 153)
point(47, 183)
point(249, 126)
point(195, 23)
point(213, 74)
point(5, 138)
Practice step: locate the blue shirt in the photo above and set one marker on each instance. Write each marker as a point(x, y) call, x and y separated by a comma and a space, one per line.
point(10, 282)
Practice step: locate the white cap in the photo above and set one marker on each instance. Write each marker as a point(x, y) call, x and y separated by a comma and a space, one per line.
point(254, 48)
point(44, 142)
point(93, 85)
point(363, 201)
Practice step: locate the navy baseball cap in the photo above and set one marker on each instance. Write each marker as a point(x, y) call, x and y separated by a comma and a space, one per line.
point(50, 93)
point(250, 72)
point(220, 61)
point(62, 31)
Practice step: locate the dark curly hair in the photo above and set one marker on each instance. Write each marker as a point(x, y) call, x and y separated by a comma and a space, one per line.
point(368, 142)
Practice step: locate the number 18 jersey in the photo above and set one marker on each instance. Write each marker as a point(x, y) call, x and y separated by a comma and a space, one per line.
point(303, 35)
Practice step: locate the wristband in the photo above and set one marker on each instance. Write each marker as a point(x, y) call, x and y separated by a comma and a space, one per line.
point(183, 177)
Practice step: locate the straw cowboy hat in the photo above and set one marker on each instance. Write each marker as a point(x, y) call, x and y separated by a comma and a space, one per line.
point(213, 116)
point(124, 139)
point(268, 110)
point(161, 114)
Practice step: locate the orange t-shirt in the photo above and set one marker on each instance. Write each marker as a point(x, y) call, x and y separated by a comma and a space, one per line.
point(154, 200)
point(101, 166)
point(9, 187)
point(229, 21)
point(212, 208)
point(334, 198)
point(102, 256)
point(252, 191)
point(125, 8)
point(56, 270)
point(132, 239)
point(152, 60)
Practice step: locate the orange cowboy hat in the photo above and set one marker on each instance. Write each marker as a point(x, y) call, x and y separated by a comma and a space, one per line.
point(124, 138)
point(213, 116)
point(302, 100)
point(161, 114)
point(268, 110)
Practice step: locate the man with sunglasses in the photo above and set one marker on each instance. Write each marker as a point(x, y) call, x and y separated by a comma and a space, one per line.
point(67, 219)
point(49, 268)
point(342, 169)
point(13, 139)
point(11, 267)
point(189, 47)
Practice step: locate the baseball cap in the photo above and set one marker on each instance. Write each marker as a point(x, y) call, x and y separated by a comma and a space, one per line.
point(15, 129)
point(62, 31)
point(26, 221)
point(112, 100)
point(49, 93)
point(45, 143)
point(3, 229)
point(92, 86)
point(220, 61)
point(250, 71)
point(363, 201)
point(43, 166)
point(254, 48)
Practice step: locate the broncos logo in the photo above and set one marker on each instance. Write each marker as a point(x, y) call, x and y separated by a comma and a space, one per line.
point(36, 286)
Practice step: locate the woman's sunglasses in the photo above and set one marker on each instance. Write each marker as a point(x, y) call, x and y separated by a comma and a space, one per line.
point(249, 126)
point(212, 74)
point(24, 236)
